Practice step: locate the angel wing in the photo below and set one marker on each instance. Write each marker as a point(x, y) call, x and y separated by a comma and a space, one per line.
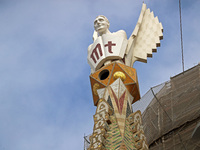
point(145, 38)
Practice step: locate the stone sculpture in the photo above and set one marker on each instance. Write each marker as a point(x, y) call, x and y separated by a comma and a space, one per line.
point(109, 46)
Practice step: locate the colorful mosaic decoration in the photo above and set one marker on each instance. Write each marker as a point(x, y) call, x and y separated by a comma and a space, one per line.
point(107, 75)
point(116, 126)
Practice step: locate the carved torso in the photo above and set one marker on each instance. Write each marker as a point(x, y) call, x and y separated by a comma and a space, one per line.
point(107, 47)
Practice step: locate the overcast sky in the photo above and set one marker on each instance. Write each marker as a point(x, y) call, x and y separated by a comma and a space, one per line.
point(45, 96)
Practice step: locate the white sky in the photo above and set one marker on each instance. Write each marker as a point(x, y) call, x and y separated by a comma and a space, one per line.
point(45, 96)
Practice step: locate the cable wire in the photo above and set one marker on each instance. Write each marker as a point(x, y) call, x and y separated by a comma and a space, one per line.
point(160, 104)
point(181, 32)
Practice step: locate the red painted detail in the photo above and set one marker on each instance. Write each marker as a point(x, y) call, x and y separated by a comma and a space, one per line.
point(123, 60)
point(116, 99)
point(110, 44)
point(98, 46)
point(121, 102)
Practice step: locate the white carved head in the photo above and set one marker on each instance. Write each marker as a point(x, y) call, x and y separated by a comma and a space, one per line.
point(101, 25)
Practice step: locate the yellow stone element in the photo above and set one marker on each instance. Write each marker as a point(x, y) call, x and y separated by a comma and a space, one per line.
point(120, 75)
point(95, 88)
point(100, 100)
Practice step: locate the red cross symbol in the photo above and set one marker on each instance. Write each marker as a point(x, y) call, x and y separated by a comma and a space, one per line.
point(110, 44)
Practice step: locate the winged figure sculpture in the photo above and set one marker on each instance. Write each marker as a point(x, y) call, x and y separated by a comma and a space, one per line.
point(109, 47)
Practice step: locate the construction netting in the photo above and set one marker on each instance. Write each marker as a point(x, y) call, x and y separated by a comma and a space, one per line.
point(170, 119)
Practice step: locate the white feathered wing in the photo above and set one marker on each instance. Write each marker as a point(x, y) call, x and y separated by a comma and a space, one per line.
point(145, 38)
